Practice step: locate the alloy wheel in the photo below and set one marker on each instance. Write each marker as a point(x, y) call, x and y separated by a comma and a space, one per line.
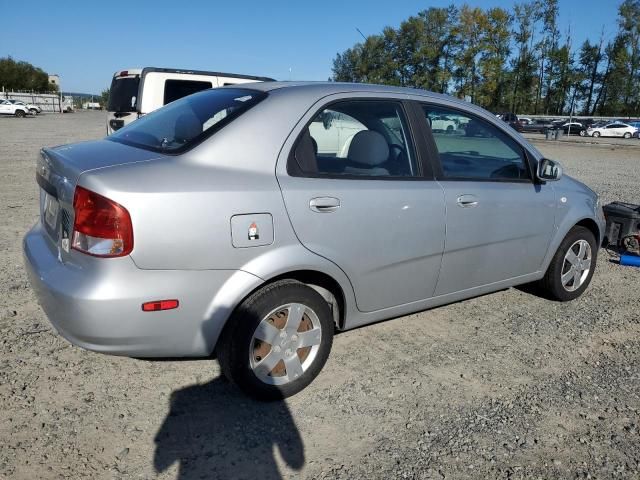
point(576, 265)
point(285, 344)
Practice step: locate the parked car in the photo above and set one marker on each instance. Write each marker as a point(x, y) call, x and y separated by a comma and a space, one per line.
point(442, 123)
point(573, 128)
point(525, 120)
point(207, 225)
point(612, 130)
point(539, 125)
point(9, 108)
point(31, 108)
point(137, 91)
point(512, 120)
point(634, 124)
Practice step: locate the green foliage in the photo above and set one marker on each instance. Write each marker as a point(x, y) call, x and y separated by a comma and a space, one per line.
point(19, 75)
point(104, 98)
point(512, 60)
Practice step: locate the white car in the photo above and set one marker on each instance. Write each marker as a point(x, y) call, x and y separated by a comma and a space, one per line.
point(33, 109)
point(612, 130)
point(8, 108)
point(442, 123)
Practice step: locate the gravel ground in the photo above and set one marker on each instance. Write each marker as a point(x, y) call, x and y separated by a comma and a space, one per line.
point(507, 385)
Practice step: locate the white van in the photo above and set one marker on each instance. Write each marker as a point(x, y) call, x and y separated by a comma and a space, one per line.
point(138, 91)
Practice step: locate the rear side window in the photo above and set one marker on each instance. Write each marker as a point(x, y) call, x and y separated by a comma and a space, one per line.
point(356, 138)
point(472, 148)
point(180, 125)
point(175, 89)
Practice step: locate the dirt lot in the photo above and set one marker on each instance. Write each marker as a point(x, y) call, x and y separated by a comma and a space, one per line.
point(503, 386)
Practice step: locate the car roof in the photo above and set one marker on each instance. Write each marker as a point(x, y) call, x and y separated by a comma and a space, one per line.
point(322, 89)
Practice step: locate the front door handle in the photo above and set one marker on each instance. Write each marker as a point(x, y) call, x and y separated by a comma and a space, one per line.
point(324, 204)
point(467, 201)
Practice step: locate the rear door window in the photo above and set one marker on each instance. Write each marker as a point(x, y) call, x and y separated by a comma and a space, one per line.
point(472, 148)
point(356, 138)
point(175, 89)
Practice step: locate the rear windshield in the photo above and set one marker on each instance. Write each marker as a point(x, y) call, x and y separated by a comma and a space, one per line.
point(187, 121)
point(123, 94)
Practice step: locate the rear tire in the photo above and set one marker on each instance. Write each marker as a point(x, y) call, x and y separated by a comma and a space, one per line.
point(33, 112)
point(569, 274)
point(271, 352)
point(596, 134)
point(627, 135)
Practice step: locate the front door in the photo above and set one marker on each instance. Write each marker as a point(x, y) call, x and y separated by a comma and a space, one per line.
point(499, 222)
point(364, 204)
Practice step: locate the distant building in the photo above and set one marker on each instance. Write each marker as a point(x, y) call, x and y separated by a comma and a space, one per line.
point(55, 79)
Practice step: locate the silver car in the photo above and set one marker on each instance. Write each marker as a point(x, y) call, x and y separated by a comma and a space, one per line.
point(217, 225)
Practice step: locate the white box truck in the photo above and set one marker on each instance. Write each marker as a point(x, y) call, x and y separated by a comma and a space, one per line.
point(137, 91)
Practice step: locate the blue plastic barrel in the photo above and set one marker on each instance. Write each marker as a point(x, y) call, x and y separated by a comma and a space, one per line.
point(630, 260)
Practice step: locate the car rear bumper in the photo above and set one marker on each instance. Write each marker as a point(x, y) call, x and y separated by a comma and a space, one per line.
point(97, 303)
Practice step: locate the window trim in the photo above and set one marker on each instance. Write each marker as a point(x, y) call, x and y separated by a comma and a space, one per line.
point(293, 169)
point(434, 153)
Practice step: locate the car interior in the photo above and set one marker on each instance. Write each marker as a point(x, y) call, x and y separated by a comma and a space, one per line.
point(477, 150)
point(367, 138)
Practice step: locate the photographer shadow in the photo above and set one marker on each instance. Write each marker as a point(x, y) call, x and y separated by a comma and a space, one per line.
point(216, 432)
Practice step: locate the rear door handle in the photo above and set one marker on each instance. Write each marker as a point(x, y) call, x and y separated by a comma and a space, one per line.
point(324, 204)
point(467, 201)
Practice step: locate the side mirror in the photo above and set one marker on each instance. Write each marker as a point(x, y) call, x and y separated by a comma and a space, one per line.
point(549, 170)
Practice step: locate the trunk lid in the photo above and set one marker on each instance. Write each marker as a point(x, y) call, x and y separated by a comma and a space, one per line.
point(57, 174)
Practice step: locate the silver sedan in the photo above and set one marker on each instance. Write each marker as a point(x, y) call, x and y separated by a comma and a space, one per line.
point(255, 222)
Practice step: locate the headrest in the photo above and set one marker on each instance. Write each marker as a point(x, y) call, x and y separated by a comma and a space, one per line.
point(368, 147)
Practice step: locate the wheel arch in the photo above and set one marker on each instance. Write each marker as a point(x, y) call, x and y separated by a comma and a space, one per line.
point(591, 225)
point(586, 222)
point(327, 286)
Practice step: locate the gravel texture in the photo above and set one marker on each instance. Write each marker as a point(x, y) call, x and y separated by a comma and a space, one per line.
point(507, 385)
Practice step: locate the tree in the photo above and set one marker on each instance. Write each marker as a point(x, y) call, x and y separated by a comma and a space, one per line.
point(590, 57)
point(104, 98)
point(493, 58)
point(19, 75)
point(470, 25)
point(514, 60)
point(523, 73)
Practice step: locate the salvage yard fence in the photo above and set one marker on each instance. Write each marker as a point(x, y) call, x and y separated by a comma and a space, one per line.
point(48, 102)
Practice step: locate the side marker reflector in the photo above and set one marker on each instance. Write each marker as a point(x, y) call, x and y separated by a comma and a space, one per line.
point(160, 305)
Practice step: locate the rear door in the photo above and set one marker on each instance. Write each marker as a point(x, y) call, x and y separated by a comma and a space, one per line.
point(499, 222)
point(357, 194)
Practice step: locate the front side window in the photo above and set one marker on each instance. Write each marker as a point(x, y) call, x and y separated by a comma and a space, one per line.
point(177, 126)
point(472, 148)
point(356, 138)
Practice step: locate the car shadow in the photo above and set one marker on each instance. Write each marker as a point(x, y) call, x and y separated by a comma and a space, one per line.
point(216, 432)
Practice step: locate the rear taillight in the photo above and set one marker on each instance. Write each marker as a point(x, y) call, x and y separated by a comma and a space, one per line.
point(101, 227)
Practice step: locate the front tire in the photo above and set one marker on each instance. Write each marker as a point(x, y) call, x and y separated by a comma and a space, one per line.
point(572, 266)
point(277, 340)
point(20, 113)
point(627, 135)
point(33, 112)
point(596, 134)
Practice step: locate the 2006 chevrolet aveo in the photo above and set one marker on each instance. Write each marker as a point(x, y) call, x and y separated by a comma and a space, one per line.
point(255, 222)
